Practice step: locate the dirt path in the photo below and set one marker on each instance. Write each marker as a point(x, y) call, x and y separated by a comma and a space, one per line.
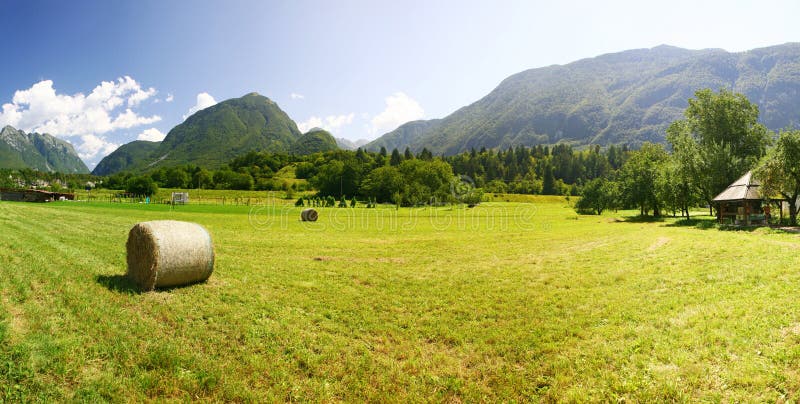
point(662, 241)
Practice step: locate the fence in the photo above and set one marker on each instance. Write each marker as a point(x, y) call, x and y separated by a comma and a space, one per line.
point(194, 200)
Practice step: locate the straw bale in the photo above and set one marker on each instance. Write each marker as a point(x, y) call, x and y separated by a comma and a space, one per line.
point(167, 253)
point(309, 215)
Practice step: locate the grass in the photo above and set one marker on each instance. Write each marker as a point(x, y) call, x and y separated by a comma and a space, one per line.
point(506, 301)
point(203, 196)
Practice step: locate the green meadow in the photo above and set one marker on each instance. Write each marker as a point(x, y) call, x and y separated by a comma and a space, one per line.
point(510, 301)
point(202, 196)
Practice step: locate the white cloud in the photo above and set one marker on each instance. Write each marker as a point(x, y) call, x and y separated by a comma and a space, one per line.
point(129, 119)
point(152, 135)
point(141, 95)
point(108, 107)
point(296, 96)
point(10, 115)
point(330, 123)
point(204, 100)
point(338, 121)
point(310, 123)
point(400, 109)
point(94, 145)
point(41, 109)
point(169, 98)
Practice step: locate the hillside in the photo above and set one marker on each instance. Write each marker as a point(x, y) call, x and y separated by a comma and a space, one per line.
point(125, 157)
point(314, 141)
point(627, 97)
point(41, 152)
point(348, 144)
point(404, 135)
point(213, 136)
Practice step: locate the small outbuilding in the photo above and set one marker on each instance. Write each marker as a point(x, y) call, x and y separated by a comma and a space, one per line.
point(33, 195)
point(742, 203)
point(180, 198)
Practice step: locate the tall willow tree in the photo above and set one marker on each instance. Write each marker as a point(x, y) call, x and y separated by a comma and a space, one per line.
point(719, 140)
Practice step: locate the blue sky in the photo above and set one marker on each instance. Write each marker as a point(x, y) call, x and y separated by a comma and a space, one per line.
point(103, 73)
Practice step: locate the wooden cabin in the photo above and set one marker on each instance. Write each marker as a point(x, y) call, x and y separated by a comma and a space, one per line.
point(741, 203)
point(33, 195)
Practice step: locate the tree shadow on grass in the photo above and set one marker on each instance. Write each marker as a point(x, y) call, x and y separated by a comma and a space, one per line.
point(641, 219)
point(118, 283)
point(710, 223)
point(706, 223)
point(730, 227)
point(703, 224)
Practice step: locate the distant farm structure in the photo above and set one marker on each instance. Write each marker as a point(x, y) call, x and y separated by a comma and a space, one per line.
point(33, 195)
point(180, 198)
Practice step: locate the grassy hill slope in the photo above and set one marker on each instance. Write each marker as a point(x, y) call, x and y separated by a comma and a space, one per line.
point(627, 97)
point(314, 141)
point(126, 156)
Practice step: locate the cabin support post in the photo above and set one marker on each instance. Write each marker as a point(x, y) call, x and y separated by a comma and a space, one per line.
point(747, 213)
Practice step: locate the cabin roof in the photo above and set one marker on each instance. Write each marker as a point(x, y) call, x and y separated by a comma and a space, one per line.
point(745, 188)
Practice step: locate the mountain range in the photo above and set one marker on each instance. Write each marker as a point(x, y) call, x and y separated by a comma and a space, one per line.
point(38, 151)
point(348, 144)
point(126, 156)
point(213, 136)
point(627, 97)
point(619, 98)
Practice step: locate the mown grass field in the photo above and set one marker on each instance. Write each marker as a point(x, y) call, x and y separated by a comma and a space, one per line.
point(507, 301)
point(201, 196)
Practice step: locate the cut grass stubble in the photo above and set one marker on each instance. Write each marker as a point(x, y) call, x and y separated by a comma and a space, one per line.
point(509, 301)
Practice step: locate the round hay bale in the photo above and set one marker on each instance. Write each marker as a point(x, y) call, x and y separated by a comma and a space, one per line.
point(165, 253)
point(309, 215)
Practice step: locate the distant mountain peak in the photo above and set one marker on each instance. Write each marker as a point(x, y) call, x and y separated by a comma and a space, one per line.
point(213, 136)
point(314, 141)
point(626, 97)
point(38, 151)
point(348, 144)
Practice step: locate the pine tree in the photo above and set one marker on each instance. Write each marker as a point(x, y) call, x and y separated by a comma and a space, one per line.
point(396, 158)
point(548, 181)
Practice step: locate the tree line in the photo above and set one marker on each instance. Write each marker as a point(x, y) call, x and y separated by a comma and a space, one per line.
point(53, 181)
point(396, 177)
point(718, 141)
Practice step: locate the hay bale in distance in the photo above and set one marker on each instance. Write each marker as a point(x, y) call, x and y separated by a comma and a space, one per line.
point(165, 253)
point(309, 215)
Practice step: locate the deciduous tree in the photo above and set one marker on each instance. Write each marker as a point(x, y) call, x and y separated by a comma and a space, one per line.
point(639, 177)
point(779, 171)
point(719, 140)
point(598, 195)
point(142, 185)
